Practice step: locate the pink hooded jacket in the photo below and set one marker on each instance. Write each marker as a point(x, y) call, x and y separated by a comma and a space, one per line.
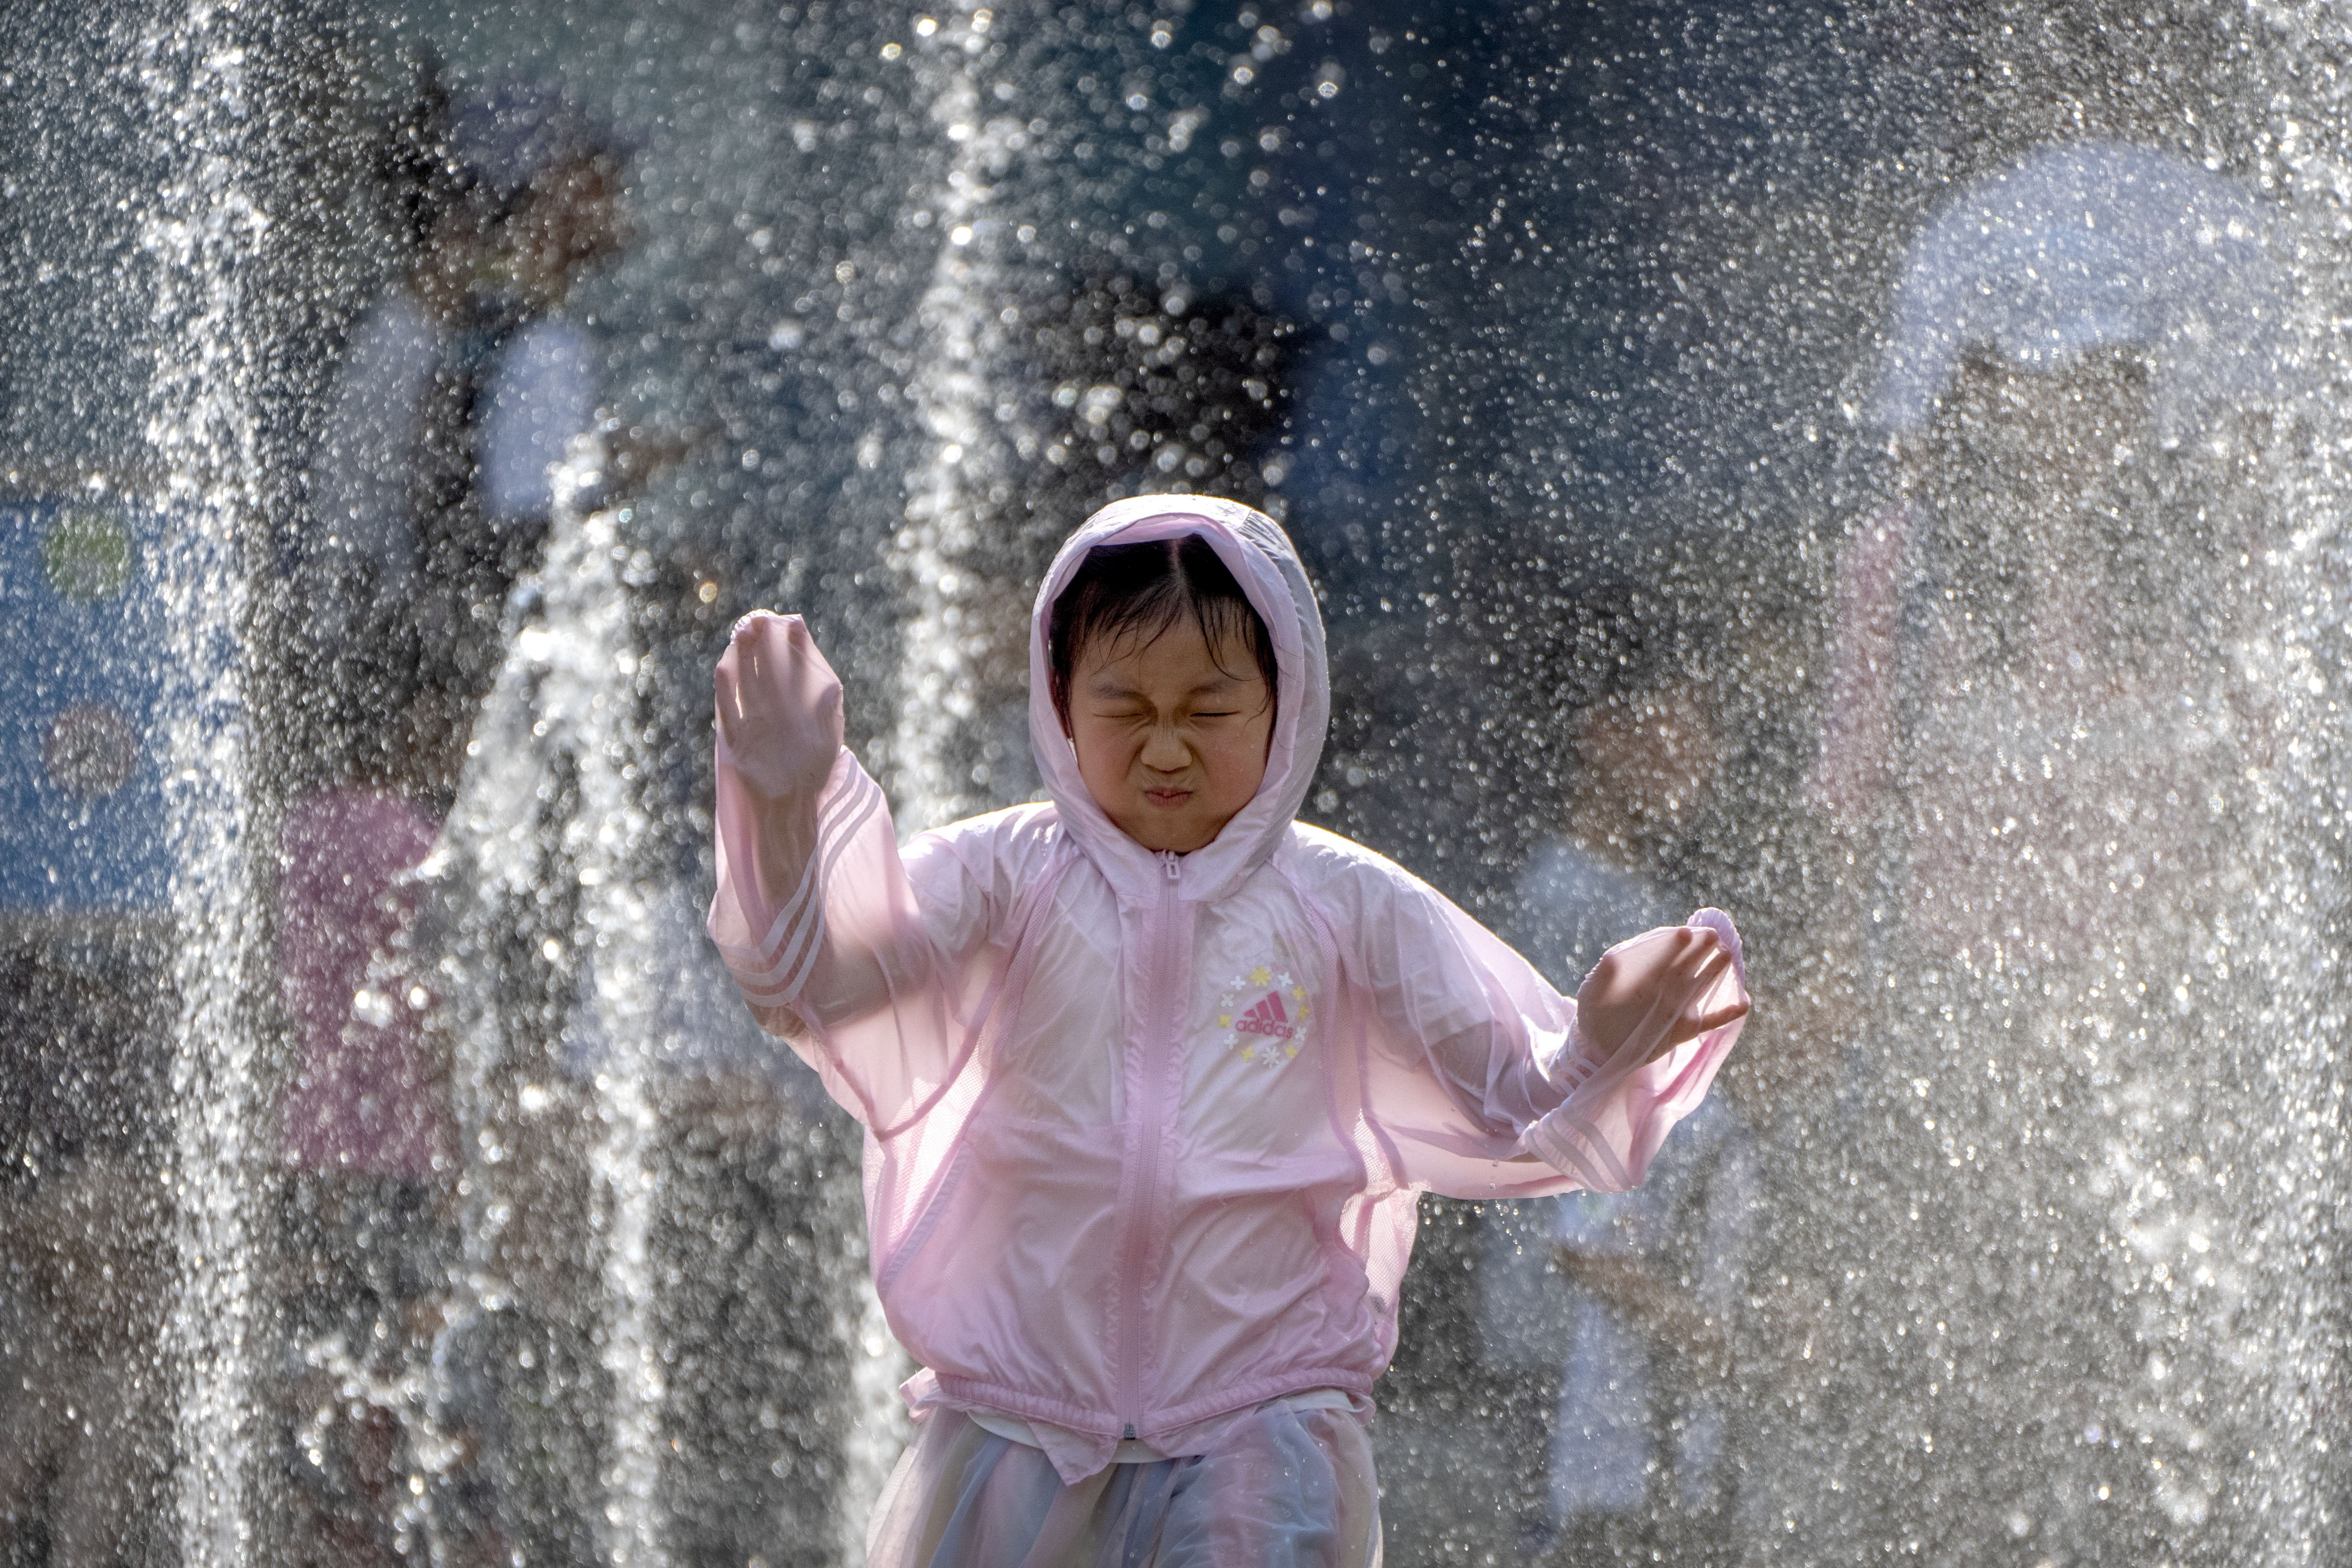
point(1144, 1131)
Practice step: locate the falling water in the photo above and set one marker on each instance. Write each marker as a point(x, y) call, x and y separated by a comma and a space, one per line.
point(882, 1431)
point(1563, 296)
point(960, 490)
point(200, 234)
point(559, 730)
point(2294, 1187)
point(956, 494)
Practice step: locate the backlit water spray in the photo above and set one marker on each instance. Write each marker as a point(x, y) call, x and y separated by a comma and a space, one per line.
point(950, 551)
point(200, 235)
point(2048, 1266)
point(551, 789)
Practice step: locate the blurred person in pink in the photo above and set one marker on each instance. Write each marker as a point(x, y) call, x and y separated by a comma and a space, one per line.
point(362, 1105)
point(369, 1232)
point(2013, 633)
point(1152, 1073)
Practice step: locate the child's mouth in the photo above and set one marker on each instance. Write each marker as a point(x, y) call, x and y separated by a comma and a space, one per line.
point(1168, 799)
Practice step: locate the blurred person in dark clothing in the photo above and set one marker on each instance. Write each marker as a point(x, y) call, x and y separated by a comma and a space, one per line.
point(460, 396)
point(1643, 752)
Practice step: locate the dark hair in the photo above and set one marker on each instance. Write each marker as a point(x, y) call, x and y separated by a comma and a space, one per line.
point(1122, 591)
point(420, 177)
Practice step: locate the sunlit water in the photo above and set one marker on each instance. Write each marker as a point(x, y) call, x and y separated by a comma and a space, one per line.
point(196, 234)
point(2050, 1160)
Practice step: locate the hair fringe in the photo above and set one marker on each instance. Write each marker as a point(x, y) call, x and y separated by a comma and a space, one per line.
point(1136, 592)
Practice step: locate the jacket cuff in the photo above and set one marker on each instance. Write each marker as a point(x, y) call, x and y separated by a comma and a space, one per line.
point(1577, 1060)
point(1567, 1141)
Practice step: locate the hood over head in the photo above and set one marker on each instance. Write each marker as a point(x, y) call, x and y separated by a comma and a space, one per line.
point(1258, 553)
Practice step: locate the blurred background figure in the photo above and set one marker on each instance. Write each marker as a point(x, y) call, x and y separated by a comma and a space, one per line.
point(1642, 1457)
point(459, 395)
point(2063, 334)
point(2038, 722)
point(1643, 753)
point(464, 405)
point(1617, 1315)
point(369, 1230)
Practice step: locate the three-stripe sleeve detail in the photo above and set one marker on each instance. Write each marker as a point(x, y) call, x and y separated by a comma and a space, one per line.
point(796, 936)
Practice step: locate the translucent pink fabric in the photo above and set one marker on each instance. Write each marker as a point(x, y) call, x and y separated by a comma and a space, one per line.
point(1144, 1131)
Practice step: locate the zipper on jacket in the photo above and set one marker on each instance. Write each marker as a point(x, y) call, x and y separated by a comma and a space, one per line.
point(1167, 990)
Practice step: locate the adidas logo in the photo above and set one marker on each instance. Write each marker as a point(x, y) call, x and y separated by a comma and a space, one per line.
point(1268, 1017)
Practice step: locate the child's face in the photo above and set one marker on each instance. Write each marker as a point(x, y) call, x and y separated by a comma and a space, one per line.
point(1170, 735)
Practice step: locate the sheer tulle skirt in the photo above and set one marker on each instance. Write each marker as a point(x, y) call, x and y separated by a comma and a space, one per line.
point(1285, 1488)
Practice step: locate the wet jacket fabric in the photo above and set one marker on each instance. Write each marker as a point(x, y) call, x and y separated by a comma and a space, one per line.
point(1144, 1131)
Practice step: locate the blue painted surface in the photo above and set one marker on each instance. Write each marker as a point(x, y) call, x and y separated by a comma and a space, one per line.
point(81, 747)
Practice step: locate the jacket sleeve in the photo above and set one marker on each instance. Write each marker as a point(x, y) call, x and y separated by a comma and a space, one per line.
point(865, 970)
point(1479, 1083)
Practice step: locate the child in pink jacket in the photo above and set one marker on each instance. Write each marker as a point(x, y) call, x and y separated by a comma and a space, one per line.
point(1151, 1074)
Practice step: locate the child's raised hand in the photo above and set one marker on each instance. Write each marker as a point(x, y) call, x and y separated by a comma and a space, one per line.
point(779, 706)
point(1648, 992)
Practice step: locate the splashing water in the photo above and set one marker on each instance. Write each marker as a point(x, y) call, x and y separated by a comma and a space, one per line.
point(199, 235)
point(566, 707)
point(964, 475)
point(1563, 320)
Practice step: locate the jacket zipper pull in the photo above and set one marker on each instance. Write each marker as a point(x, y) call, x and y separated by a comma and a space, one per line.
point(1168, 858)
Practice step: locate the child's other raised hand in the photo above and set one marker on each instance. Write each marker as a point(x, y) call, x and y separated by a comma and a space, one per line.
point(1649, 991)
point(779, 706)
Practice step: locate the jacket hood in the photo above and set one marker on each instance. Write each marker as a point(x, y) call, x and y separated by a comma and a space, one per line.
point(1258, 553)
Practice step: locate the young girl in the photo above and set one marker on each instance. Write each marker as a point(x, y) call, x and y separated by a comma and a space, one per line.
point(1152, 1074)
